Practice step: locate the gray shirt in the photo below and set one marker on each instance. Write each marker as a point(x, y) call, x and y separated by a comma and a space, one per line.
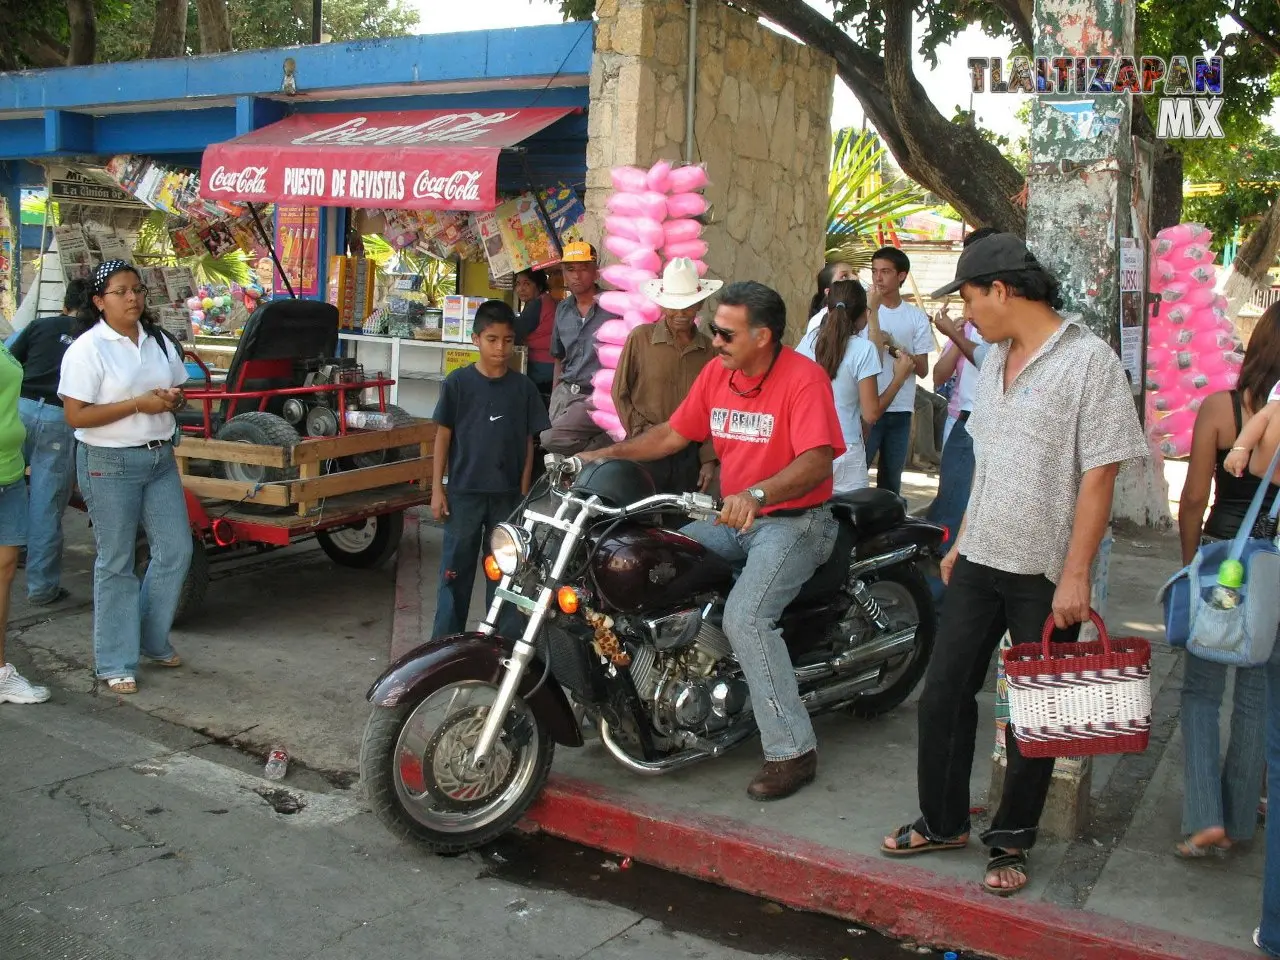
point(1069, 411)
point(573, 340)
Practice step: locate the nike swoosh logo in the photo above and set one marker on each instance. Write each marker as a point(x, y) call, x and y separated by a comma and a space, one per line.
point(498, 417)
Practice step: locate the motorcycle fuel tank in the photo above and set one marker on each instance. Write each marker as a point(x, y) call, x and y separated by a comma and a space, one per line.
point(639, 568)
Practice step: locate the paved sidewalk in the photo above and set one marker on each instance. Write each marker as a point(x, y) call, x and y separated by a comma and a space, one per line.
point(1116, 891)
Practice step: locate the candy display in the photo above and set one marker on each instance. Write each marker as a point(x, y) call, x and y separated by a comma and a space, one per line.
point(220, 310)
point(650, 221)
point(1192, 349)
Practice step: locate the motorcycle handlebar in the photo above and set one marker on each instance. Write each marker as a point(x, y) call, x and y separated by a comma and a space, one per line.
point(698, 506)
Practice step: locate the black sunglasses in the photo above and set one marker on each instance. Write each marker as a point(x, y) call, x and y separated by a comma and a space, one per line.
point(725, 335)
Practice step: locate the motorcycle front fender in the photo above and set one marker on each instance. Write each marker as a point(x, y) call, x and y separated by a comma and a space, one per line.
point(912, 532)
point(475, 656)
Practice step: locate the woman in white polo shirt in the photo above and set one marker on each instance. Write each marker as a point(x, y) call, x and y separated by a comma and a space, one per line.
point(119, 390)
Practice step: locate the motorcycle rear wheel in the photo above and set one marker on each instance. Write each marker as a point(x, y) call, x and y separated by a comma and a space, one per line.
point(418, 781)
point(891, 589)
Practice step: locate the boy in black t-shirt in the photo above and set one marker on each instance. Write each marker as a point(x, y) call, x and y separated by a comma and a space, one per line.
point(488, 416)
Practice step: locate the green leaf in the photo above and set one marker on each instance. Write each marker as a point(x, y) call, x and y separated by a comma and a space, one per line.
point(862, 200)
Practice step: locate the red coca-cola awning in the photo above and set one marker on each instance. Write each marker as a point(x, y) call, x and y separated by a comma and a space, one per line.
point(418, 159)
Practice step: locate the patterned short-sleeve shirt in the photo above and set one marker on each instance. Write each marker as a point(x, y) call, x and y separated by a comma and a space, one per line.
point(1069, 411)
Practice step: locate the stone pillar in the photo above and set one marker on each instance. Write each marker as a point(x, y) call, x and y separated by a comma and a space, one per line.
point(762, 126)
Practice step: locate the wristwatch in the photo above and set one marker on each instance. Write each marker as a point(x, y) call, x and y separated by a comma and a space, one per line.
point(757, 494)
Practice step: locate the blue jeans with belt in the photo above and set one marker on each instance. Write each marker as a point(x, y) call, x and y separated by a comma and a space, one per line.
point(50, 453)
point(126, 488)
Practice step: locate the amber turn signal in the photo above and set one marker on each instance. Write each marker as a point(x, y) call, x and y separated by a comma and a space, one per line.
point(491, 568)
point(567, 599)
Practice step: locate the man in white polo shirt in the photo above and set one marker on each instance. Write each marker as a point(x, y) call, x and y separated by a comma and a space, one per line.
point(907, 327)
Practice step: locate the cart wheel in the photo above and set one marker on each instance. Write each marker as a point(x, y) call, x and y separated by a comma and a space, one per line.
point(262, 429)
point(400, 417)
point(366, 544)
point(194, 587)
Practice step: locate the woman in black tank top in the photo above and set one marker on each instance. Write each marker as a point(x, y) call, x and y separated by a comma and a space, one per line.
point(1220, 801)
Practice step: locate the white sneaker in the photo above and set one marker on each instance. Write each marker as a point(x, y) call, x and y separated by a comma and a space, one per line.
point(14, 688)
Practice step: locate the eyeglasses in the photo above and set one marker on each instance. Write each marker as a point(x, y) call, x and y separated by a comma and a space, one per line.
point(725, 335)
point(140, 292)
point(753, 391)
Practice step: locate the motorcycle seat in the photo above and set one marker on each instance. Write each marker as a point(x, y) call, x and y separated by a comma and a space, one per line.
point(829, 577)
point(870, 510)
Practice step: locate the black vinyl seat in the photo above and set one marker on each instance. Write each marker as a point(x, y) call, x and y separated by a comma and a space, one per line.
point(870, 510)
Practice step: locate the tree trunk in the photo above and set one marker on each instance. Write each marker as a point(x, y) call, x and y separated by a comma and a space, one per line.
point(83, 24)
point(951, 160)
point(215, 26)
point(1256, 257)
point(169, 35)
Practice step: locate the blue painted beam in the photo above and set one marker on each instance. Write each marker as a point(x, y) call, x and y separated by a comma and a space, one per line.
point(529, 54)
point(512, 99)
point(19, 172)
point(20, 139)
point(67, 132)
point(253, 113)
point(162, 131)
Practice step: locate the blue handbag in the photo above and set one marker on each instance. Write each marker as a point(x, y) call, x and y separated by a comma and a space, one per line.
point(1244, 635)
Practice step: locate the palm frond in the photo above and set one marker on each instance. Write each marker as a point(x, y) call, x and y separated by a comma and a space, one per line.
point(230, 268)
point(861, 203)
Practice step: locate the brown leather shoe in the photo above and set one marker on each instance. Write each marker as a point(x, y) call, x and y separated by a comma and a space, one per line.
point(782, 778)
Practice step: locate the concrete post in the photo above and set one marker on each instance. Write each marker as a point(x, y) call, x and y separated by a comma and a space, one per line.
point(1078, 207)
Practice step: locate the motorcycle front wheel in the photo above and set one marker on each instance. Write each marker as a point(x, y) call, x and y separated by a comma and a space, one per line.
point(415, 761)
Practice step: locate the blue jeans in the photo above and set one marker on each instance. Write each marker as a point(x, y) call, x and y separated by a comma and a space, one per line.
point(775, 558)
point(890, 437)
point(1217, 794)
point(472, 517)
point(955, 479)
point(125, 488)
point(50, 453)
point(1270, 928)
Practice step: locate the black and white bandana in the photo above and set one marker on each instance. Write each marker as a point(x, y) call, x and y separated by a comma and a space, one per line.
point(105, 272)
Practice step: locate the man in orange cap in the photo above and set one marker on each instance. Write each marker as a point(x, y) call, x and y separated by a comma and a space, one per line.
point(573, 345)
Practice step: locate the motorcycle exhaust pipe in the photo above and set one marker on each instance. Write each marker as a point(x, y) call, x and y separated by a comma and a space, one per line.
point(685, 758)
point(825, 696)
point(882, 648)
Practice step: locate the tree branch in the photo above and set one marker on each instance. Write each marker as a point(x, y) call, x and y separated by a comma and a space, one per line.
point(972, 175)
point(1020, 14)
point(1266, 39)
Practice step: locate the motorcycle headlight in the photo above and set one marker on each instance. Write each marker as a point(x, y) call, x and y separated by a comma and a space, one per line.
point(509, 548)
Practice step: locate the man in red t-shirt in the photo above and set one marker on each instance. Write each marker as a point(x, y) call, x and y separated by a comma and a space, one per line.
point(771, 417)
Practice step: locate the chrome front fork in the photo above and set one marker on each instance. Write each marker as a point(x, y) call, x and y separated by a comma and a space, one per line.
point(524, 648)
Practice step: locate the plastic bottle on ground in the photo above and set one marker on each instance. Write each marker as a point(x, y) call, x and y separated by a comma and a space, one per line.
point(277, 764)
point(369, 420)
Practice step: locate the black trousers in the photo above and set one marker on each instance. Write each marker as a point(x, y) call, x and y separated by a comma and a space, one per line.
point(980, 604)
point(677, 473)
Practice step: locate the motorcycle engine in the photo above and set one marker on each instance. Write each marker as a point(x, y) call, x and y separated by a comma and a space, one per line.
point(695, 687)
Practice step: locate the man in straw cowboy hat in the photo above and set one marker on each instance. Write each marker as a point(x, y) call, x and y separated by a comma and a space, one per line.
point(658, 365)
point(771, 416)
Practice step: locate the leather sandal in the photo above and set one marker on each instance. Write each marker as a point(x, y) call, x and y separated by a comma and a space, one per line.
point(1012, 860)
point(173, 660)
point(122, 685)
point(900, 845)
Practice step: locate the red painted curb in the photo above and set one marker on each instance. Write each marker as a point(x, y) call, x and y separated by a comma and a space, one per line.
point(902, 901)
point(406, 622)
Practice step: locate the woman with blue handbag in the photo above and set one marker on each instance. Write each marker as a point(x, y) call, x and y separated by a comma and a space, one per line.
point(1220, 800)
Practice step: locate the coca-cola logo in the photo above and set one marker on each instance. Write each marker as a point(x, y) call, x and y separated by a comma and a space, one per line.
point(446, 128)
point(464, 185)
point(248, 180)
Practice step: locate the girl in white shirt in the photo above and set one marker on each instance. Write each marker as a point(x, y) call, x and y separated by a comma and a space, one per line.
point(120, 386)
point(853, 364)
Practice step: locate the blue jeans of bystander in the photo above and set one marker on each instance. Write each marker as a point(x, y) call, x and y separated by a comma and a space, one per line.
point(127, 488)
point(50, 453)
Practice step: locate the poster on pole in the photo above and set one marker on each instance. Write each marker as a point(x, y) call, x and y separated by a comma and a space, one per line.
point(1131, 311)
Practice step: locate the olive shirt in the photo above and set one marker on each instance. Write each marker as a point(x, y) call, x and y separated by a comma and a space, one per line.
point(654, 376)
point(1068, 411)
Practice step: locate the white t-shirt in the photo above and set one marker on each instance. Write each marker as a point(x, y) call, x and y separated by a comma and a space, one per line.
point(102, 367)
point(860, 361)
point(816, 321)
point(908, 325)
point(967, 385)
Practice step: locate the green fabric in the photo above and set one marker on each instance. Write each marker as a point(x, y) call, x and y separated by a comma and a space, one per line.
point(12, 432)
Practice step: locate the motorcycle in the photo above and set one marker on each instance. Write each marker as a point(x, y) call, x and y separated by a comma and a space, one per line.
point(625, 614)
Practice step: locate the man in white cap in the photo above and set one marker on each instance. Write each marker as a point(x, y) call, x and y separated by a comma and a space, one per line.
point(658, 366)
